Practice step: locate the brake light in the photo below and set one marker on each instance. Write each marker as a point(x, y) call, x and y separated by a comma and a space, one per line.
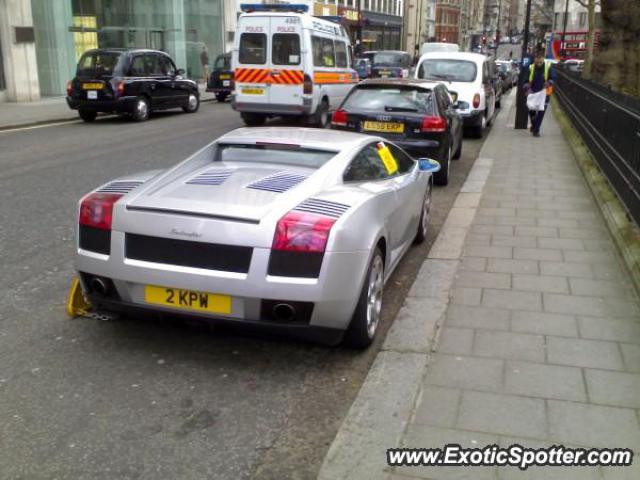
point(339, 118)
point(302, 232)
point(434, 124)
point(307, 85)
point(476, 100)
point(69, 88)
point(120, 89)
point(96, 210)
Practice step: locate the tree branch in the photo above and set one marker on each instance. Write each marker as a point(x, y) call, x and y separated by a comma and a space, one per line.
point(585, 3)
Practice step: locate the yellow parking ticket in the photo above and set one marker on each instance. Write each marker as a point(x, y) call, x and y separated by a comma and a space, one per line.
point(387, 158)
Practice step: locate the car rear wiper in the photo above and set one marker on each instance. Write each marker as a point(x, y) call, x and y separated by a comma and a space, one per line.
point(439, 77)
point(400, 109)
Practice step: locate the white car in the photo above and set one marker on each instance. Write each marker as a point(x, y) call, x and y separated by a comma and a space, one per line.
point(468, 76)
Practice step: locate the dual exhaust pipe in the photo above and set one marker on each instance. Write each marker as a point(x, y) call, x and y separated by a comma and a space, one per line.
point(283, 312)
point(99, 286)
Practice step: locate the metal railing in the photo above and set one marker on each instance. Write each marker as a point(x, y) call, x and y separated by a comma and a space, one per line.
point(609, 124)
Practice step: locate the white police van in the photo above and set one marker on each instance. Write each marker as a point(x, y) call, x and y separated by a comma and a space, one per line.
point(289, 63)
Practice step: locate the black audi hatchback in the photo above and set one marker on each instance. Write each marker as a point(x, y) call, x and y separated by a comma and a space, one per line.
point(419, 116)
point(132, 82)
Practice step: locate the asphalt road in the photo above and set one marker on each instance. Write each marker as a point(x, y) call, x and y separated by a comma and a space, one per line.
point(89, 399)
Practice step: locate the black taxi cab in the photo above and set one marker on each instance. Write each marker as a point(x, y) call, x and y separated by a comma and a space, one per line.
point(221, 78)
point(133, 82)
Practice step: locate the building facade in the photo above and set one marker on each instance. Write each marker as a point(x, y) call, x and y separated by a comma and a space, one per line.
point(42, 40)
point(497, 18)
point(448, 20)
point(577, 16)
point(471, 26)
point(378, 24)
point(419, 24)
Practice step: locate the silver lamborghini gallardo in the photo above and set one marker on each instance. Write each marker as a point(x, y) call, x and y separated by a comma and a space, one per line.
point(283, 227)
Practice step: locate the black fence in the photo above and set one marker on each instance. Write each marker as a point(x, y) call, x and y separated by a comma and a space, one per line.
point(609, 124)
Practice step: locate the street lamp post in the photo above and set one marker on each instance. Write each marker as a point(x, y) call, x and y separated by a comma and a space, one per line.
point(522, 115)
point(498, 28)
point(564, 29)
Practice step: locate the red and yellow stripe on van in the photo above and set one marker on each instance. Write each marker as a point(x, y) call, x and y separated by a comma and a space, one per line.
point(251, 75)
point(323, 78)
point(273, 77)
point(287, 77)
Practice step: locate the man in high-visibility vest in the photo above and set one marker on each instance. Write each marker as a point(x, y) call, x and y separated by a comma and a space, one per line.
point(539, 89)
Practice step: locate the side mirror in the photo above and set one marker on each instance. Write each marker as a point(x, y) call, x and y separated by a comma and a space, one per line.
point(428, 165)
point(180, 71)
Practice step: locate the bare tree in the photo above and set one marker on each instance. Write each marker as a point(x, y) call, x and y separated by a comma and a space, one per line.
point(590, 5)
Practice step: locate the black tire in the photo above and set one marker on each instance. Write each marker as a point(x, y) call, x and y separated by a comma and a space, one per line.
point(193, 103)
point(425, 216)
point(221, 97)
point(478, 130)
point(142, 110)
point(253, 119)
point(442, 177)
point(87, 115)
point(361, 331)
point(321, 118)
point(458, 154)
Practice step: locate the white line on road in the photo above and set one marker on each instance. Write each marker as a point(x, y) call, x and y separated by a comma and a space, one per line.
point(33, 127)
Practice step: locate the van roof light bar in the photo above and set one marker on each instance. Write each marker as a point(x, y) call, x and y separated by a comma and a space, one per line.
point(274, 7)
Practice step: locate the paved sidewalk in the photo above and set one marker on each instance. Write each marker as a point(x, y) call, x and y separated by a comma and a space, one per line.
point(50, 110)
point(538, 335)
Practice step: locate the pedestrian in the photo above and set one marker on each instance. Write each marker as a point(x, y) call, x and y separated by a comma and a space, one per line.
point(204, 61)
point(511, 55)
point(539, 88)
point(359, 49)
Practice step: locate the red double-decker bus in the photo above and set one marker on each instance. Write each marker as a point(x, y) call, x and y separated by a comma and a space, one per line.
point(574, 45)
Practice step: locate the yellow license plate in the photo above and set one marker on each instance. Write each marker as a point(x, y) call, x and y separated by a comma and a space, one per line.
point(187, 299)
point(225, 77)
point(384, 127)
point(92, 86)
point(253, 91)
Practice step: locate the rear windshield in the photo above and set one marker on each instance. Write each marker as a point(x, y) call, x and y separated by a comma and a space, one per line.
point(503, 67)
point(253, 48)
point(98, 63)
point(448, 69)
point(389, 59)
point(390, 100)
point(286, 49)
point(223, 62)
point(275, 153)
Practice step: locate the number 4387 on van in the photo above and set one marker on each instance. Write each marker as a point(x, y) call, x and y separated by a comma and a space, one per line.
point(289, 63)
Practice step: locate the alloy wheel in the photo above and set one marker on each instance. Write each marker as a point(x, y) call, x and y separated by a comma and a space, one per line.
point(193, 102)
point(374, 295)
point(426, 211)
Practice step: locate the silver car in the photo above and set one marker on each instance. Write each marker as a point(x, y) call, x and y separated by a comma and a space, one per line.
point(282, 227)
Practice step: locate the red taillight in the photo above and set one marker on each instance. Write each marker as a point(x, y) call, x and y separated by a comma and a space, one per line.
point(96, 210)
point(434, 124)
point(476, 100)
point(120, 89)
point(69, 88)
point(302, 232)
point(339, 118)
point(307, 85)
